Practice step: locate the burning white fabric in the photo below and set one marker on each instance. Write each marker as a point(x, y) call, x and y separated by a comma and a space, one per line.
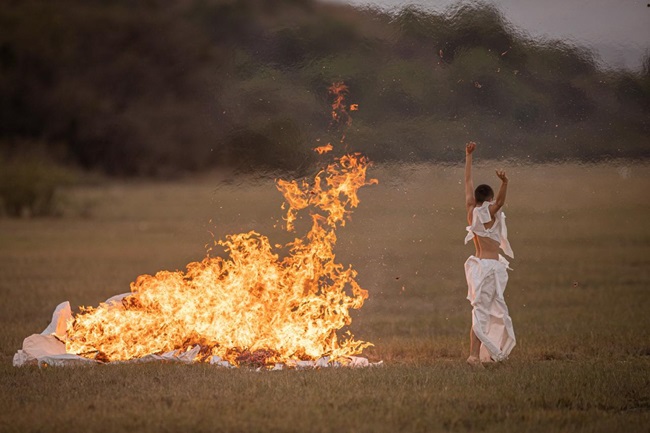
point(253, 308)
point(48, 349)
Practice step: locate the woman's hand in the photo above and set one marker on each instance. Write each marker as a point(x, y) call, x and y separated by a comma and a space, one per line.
point(501, 174)
point(469, 147)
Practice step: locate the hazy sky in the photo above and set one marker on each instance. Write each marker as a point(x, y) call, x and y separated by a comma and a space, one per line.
point(618, 30)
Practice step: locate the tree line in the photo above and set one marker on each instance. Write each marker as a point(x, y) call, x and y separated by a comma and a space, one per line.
point(159, 88)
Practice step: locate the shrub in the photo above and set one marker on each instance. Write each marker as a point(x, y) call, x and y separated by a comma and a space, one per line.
point(28, 186)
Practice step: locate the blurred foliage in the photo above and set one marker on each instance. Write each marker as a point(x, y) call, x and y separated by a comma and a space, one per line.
point(158, 88)
point(29, 186)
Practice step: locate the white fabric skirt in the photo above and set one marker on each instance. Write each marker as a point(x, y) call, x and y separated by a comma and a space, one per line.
point(486, 282)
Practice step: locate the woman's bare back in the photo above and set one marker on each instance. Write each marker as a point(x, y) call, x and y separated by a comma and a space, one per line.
point(486, 248)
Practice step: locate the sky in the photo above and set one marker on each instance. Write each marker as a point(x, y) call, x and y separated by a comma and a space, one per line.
point(617, 30)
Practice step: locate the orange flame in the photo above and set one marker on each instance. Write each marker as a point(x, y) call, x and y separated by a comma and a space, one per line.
point(252, 305)
point(339, 110)
point(324, 149)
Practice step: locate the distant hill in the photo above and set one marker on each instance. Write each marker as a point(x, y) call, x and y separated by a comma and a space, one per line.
point(159, 88)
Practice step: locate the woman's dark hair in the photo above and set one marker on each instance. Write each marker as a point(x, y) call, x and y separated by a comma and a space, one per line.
point(483, 192)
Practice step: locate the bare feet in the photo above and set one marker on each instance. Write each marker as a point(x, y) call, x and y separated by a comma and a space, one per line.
point(475, 362)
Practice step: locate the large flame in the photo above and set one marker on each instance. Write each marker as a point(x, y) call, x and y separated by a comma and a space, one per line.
point(253, 304)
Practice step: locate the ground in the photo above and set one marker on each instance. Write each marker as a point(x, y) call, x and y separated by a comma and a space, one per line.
point(577, 296)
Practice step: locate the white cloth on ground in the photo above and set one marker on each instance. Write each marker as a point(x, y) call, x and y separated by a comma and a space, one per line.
point(491, 322)
point(48, 347)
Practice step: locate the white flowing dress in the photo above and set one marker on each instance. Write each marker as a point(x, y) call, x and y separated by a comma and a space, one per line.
point(486, 283)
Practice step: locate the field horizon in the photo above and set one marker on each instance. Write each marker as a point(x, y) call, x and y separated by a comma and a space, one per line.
point(577, 296)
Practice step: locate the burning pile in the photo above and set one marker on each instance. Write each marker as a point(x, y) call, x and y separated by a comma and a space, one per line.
point(253, 308)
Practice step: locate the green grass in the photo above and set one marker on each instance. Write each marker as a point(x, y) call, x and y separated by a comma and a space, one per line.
point(582, 362)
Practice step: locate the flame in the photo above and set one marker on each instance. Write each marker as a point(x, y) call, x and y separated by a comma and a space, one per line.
point(253, 304)
point(339, 109)
point(324, 149)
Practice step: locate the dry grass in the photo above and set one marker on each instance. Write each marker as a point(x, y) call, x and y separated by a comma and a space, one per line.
point(582, 362)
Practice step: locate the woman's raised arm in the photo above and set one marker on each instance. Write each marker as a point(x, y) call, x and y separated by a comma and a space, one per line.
point(470, 201)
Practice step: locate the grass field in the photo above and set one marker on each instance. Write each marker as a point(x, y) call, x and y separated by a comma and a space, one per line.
point(578, 297)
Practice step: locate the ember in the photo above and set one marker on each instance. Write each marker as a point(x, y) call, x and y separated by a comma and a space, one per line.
point(324, 149)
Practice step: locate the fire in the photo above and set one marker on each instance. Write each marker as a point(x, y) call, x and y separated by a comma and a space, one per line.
point(253, 305)
point(339, 110)
point(324, 149)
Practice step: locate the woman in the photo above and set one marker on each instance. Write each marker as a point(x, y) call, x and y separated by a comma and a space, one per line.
point(492, 336)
